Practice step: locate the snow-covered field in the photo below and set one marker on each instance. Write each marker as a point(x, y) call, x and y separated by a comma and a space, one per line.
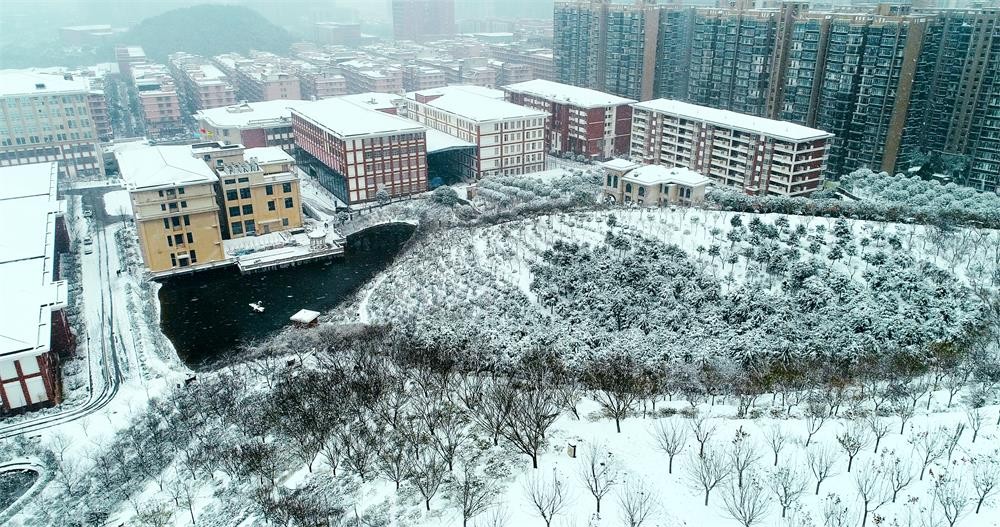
point(117, 203)
point(680, 325)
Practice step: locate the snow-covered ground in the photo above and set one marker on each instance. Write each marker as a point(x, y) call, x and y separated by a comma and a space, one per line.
point(117, 203)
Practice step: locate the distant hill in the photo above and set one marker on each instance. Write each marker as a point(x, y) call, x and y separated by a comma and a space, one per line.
point(207, 30)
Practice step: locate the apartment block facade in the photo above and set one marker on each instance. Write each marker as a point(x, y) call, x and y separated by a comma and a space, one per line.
point(356, 151)
point(255, 124)
point(49, 117)
point(260, 79)
point(580, 120)
point(509, 139)
point(260, 193)
point(159, 101)
point(759, 156)
point(366, 76)
point(893, 82)
point(201, 84)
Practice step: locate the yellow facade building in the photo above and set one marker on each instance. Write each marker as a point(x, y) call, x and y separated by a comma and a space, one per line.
point(175, 208)
point(187, 199)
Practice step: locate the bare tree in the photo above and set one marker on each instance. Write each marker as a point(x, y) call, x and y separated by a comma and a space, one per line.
point(533, 412)
point(950, 492)
point(496, 516)
point(930, 446)
point(549, 497)
point(743, 454)
point(617, 380)
point(898, 471)
point(331, 451)
point(776, 439)
point(471, 493)
point(975, 418)
point(492, 414)
point(836, 513)
point(599, 472)
point(821, 460)
point(872, 490)
point(788, 485)
point(985, 480)
point(816, 416)
point(671, 438)
point(707, 471)
point(703, 431)
point(393, 459)
point(905, 413)
point(952, 439)
point(878, 428)
point(852, 439)
point(428, 474)
point(748, 504)
point(636, 502)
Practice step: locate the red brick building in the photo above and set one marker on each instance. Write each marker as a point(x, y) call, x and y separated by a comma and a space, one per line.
point(355, 151)
point(581, 120)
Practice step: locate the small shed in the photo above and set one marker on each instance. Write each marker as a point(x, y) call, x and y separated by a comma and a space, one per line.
point(305, 318)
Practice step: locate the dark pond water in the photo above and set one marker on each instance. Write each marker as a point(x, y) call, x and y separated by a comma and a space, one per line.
point(13, 484)
point(207, 315)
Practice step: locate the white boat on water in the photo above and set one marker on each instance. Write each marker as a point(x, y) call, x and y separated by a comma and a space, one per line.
point(257, 307)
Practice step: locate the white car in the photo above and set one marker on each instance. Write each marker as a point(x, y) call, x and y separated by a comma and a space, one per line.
point(88, 250)
point(87, 213)
point(88, 241)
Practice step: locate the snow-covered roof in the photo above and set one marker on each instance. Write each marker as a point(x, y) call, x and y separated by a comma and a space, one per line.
point(438, 141)
point(619, 164)
point(29, 207)
point(660, 174)
point(567, 94)
point(37, 179)
point(347, 119)
point(373, 100)
point(162, 166)
point(249, 115)
point(739, 121)
point(305, 316)
point(28, 82)
point(267, 155)
point(468, 104)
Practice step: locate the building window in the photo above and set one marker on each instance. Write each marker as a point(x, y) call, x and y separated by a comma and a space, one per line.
point(180, 190)
point(270, 205)
point(234, 211)
point(166, 223)
point(229, 181)
point(190, 237)
point(175, 221)
point(187, 220)
point(284, 222)
point(247, 209)
point(286, 187)
point(178, 239)
point(173, 260)
point(194, 257)
point(184, 204)
point(170, 241)
point(250, 227)
point(236, 227)
point(642, 191)
point(244, 193)
point(628, 187)
point(288, 203)
point(243, 180)
point(269, 190)
point(230, 195)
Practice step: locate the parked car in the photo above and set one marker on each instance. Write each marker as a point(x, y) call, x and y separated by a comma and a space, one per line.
point(88, 240)
point(88, 250)
point(87, 213)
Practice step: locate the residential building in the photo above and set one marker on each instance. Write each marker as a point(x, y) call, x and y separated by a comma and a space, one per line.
point(580, 120)
point(607, 46)
point(338, 33)
point(423, 19)
point(159, 101)
point(255, 124)
point(540, 60)
point(416, 78)
point(510, 72)
point(175, 207)
point(201, 84)
point(355, 151)
point(34, 331)
point(126, 56)
point(368, 76)
point(626, 182)
point(48, 117)
point(260, 78)
point(260, 190)
point(509, 139)
point(823, 69)
point(384, 102)
point(760, 156)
